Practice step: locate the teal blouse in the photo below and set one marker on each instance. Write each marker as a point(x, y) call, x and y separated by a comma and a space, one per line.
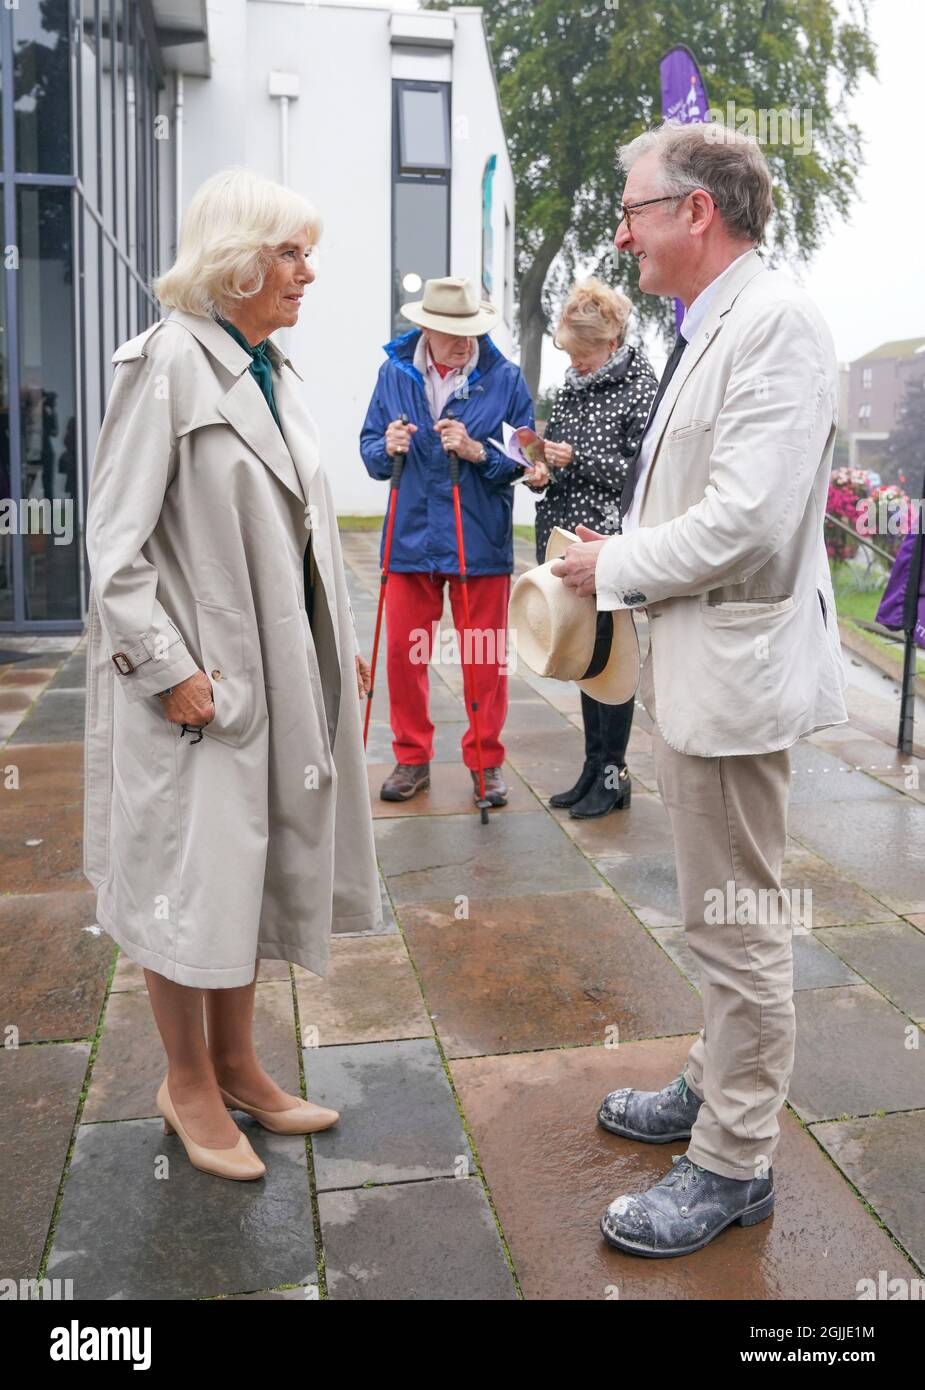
point(261, 368)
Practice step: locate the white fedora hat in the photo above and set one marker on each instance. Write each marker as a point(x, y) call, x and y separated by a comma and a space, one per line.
point(561, 634)
point(451, 305)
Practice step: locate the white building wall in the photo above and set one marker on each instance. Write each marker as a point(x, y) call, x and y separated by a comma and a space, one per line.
point(340, 157)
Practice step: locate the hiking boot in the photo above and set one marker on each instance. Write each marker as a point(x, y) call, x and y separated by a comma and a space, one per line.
point(495, 789)
point(654, 1117)
point(685, 1211)
point(405, 781)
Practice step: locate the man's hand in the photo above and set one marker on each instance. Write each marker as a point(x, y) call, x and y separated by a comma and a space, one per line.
point(455, 439)
point(398, 437)
point(190, 702)
point(576, 567)
point(364, 677)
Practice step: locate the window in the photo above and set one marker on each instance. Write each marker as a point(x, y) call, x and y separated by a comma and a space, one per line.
point(41, 59)
point(420, 190)
point(423, 128)
point(867, 377)
point(864, 412)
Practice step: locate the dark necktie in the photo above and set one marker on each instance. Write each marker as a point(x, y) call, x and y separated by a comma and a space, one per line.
point(629, 487)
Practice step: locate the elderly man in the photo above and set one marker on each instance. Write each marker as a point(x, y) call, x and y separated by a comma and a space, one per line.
point(721, 543)
point(456, 389)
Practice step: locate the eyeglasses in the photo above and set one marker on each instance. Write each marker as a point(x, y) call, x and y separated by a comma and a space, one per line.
point(627, 209)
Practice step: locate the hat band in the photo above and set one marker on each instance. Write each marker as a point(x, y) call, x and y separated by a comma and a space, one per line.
point(603, 641)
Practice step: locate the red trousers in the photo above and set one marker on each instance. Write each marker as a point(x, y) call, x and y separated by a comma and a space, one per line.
point(413, 604)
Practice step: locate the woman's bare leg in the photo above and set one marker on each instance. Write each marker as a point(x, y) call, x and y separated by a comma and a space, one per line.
point(190, 1076)
point(230, 1022)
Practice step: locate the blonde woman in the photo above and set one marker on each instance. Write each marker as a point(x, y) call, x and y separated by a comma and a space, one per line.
point(594, 429)
point(227, 809)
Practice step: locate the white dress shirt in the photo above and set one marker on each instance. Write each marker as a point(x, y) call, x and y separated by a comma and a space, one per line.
point(693, 317)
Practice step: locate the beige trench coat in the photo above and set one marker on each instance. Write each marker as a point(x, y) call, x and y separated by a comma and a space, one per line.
point(255, 841)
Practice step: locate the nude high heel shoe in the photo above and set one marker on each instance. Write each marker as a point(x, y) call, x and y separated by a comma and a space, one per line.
point(304, 1118)
point(239, 1162)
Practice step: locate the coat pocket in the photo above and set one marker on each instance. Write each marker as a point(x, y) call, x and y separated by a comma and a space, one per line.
point(742, 610)
point(221, 642)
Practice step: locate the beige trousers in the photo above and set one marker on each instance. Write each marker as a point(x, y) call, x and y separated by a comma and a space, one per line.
point(729, 824)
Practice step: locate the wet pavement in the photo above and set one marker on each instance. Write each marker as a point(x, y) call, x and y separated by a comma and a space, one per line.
point(524, 968)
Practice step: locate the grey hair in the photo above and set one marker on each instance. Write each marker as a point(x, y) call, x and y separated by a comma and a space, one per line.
point(726, 163)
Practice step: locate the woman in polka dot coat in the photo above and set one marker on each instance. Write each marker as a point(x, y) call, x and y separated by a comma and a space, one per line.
point(596, 423)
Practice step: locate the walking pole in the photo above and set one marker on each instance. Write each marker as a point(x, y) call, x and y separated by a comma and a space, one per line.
point(398, 464)
point(483, 803)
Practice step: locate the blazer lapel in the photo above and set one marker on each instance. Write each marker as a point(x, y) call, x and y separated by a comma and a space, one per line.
point(750, 266)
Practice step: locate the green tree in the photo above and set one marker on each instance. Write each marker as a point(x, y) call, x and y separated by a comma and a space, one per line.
point(905, 450)
point(577, 78)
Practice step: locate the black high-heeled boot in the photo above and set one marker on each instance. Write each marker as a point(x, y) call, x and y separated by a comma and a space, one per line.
point(591, 715)
point(609, 792)
point(581, 788)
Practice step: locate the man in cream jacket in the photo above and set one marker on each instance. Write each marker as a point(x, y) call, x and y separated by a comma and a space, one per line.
point(722, 545)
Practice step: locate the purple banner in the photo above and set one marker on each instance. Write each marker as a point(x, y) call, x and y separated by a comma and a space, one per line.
point(684, 98)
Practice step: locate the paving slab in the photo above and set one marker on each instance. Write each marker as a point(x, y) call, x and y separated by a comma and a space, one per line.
point(648, 883)
point(422, 1240)
point(41, 848)
point(544, 970)
point(818, 775)
point(890, 955)
point(53, 965)
point(138, 1221)
point(41, 1093)
point(836, 900)
point(642, 828)
point(516, 852)
point(370, 994)
point(882, 1156)
point(73, 672)
point(58, 717)
point(41, 774)
point(399, 1122)
point(130, 1063)
point(552, 1170)
point(853, 1056)
point(447, 742)
point(878, 844)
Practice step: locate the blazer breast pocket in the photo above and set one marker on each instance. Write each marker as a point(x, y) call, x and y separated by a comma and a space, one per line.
point(695, 430)
point(221, 641)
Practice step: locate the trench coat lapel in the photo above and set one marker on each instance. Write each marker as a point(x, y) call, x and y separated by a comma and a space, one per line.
point(302, 436)
point(243, 405)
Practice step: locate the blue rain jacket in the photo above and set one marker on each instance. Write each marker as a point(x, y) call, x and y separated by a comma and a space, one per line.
point(424, 539)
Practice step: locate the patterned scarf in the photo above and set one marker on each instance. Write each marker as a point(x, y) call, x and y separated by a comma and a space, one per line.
point(580, 383)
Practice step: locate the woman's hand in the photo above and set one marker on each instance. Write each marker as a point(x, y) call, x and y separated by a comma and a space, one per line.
point(190, 702)
point(398, 437)
point(538, 475)
point(364, 677)
point(557, 453)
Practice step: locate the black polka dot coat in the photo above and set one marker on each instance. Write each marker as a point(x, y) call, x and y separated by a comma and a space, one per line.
point(603, 421)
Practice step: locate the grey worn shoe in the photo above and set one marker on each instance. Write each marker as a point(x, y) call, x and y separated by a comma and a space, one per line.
point(654, 1117)
point(685, 1211)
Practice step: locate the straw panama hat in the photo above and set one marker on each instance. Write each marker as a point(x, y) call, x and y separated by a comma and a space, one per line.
point(561, 634)
point(451, 305)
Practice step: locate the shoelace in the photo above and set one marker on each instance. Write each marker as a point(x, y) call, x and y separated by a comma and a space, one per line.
point(684, 1173)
